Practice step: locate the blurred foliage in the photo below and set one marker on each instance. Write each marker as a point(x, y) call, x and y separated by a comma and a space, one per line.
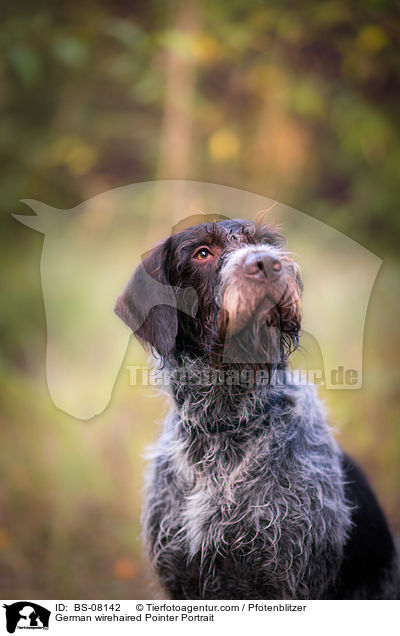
point(295, 100)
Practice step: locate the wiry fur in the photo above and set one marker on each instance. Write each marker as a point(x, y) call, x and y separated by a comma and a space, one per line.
point(248, 493)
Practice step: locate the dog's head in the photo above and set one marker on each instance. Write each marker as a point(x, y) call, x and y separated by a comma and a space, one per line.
point(247, 291)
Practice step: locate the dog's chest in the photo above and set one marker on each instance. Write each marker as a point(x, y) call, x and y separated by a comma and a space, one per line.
point(218, 504)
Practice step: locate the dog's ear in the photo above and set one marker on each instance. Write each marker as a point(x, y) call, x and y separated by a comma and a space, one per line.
point(148, 303)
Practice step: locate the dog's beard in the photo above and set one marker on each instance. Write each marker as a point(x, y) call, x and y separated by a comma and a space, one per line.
point(260, 342)
point(260, 331)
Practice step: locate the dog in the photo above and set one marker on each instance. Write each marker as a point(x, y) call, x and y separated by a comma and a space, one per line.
point(249, 496)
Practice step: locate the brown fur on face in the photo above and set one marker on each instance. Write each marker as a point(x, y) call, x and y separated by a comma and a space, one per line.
point(260, 312)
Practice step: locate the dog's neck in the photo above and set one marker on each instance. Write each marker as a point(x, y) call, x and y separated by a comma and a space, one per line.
point(225, 398)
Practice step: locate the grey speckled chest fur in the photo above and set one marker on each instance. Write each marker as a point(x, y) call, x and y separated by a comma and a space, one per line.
point(246, 494)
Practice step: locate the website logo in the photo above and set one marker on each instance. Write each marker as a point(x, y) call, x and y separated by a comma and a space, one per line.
point(26, 615)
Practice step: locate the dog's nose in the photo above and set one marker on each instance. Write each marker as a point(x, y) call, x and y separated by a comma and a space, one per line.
point(259, 265)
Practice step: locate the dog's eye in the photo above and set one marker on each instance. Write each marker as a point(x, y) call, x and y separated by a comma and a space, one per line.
point(202, 254)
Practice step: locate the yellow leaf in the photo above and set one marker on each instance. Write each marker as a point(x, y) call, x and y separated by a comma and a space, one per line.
point(372, 39)
point(224, 145)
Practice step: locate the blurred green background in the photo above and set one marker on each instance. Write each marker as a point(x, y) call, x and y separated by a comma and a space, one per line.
point(298, 101)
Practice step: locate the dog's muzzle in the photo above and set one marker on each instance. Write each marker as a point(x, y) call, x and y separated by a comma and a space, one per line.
point(258, 280)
